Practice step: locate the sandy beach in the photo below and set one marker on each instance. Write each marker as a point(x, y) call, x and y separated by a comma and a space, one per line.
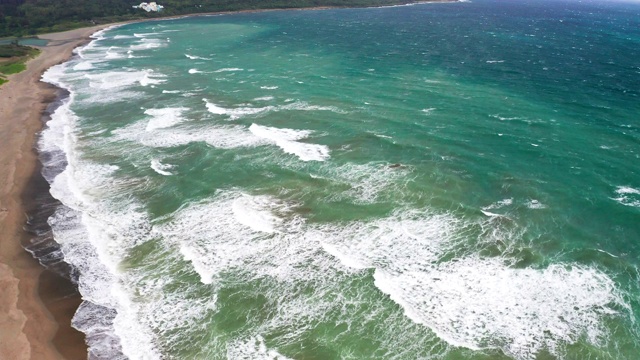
point(35, 305)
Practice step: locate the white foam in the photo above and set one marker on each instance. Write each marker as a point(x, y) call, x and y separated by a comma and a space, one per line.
point(161, 168)
point(428, 111)
point(164, 118)
point(628, 196)
point(490, 214)
point(228, 70)
point(145, 35)
point(223, 137)
point(131, 56)
point(480, 303)
point(57, 127)
point(535, 204)
point(505, 118)
point(497, 205)
point(344, 259)
point(195, 71)
point(214, 109)
point(83, 65)
point(268, 87)
point(171, 91)
point(106, 97)
point(112, 53)
point(242, 111)
point(147, 43)
point(108, 233)
point(627, 190)
point(97, 37)
point(276, 134)
point(263, 98)
point(469, 301)
point(193, 57)
point(253, 348)
point(255, 212)
point(236, 113)
point(303, 106)
point(96, 227)
point(214, 241)
point(287, 140)
point(477, 302)
point(120, 79)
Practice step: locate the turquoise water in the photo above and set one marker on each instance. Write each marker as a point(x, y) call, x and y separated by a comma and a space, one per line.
point(451, 181)
point(26, 41)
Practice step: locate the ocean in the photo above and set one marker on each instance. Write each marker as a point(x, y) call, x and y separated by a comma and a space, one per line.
point(436, 181)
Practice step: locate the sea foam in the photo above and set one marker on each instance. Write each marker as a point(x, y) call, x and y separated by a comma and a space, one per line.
point(222, 137)
point(164, 117)
point(627, 196)
point(469, 301)
point(120, 79)
point(253, 348)
point(477, 302)
point(94, 235)
point(194, 57)
point(287, 140)
point(161, 168)
point(242, 111)
point(222, 244)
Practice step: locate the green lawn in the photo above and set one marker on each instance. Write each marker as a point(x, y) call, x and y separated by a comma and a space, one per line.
point(13, 67)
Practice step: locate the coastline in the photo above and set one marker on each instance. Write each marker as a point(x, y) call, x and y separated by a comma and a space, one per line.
point(35, 306)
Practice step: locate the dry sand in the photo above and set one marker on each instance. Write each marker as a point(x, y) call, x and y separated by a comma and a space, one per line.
point(35, 306)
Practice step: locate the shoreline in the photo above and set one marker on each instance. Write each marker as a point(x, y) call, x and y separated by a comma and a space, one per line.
point(57, 283)
point(36, 303)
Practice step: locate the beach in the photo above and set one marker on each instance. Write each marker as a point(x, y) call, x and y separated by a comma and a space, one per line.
point(346, 183)
point(35, 305)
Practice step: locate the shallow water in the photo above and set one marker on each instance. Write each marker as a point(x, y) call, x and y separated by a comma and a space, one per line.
point(433, 181)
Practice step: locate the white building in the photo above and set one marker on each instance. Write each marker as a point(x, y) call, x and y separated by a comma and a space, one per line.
point(148, 7)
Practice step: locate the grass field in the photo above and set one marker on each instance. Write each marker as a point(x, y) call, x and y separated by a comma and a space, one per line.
point(13, 67)
point(13, 59)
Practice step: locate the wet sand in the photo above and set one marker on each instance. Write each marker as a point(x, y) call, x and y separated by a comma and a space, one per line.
point(36, 305)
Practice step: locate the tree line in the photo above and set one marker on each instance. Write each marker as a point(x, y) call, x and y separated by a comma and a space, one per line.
point(28, 17)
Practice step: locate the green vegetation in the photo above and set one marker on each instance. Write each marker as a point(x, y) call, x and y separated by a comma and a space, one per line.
point(15, 50)
point(12, 68)
point(13, 58)
point(24, 17)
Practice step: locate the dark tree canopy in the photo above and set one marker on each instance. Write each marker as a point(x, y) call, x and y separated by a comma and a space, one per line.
point(25, 17)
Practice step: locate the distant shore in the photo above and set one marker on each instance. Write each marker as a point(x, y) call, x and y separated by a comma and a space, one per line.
point(92, 18)
point(36, 305)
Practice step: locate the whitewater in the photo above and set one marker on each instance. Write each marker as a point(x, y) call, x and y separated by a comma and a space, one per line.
point(354, 183)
